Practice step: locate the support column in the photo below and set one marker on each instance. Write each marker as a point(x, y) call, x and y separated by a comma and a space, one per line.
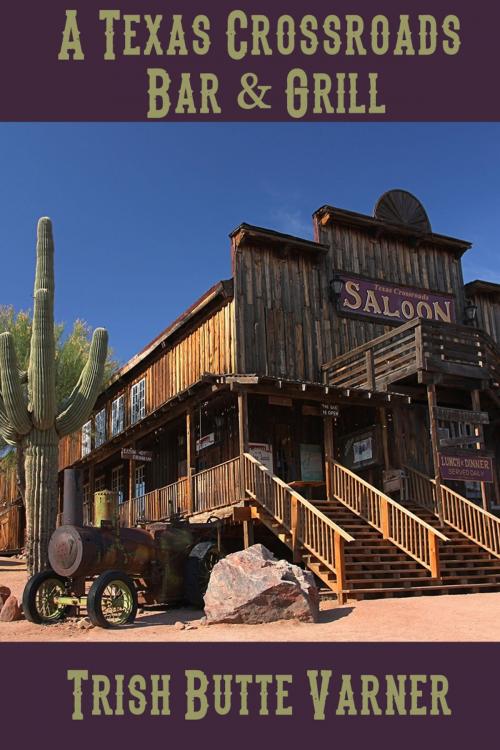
point(190, 457)
point(385, 437)
point(431, 397)
point(248, 536)
point(329, 441)
point(91, 492)
point(131, 490)
point(479, 431)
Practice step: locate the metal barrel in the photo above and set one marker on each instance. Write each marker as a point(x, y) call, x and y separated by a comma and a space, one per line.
point(86, 551)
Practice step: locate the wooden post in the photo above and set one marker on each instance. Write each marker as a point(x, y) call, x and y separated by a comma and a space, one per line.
point(243, 436)
point(91, 492)
point(370, 370)
point(247, 534)
point(384, 517)
point(434, 555)
point(339, 567)
point(329, 441)
point(131, 490)
point(385, 437)
point(432, 401)
point(294, 523)
point(190, 452)
point(476, 405)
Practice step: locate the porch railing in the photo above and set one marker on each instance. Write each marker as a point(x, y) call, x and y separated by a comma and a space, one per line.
point(218, 486)
point(158, 504)
point(418, 345)
point(306, 525)
point(210, 489)
point(469, 519)
point(397, 524)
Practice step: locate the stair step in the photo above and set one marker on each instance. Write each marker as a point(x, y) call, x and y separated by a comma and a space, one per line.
point(431, 587)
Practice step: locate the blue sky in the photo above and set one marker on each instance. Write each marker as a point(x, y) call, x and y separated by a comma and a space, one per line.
point(142, 212)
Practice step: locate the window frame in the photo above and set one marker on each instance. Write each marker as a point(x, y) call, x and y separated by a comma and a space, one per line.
point(86, 433)
point(136, 414)
point(118, 415)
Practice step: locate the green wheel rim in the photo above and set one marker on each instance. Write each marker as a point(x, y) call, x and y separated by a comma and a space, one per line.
point(117, 603)
point(45, 600)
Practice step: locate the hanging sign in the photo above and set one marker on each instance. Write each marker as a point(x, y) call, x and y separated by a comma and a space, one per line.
point(461, 415)
point(460, 467)
point(132, 455)
point(329, 410)
point(205, 442)
point(393, 303)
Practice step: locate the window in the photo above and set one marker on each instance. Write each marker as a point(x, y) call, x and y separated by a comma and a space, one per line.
point(138, 401)
point(140, 491)
point(117, 483)
point(100, 483)
point(100, 428)
point(86, 438)
point(140, 481)
point(118, 415)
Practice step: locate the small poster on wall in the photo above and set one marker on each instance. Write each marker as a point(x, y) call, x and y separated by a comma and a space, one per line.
point(263, 452)
point(311, 463)
point(363, 450)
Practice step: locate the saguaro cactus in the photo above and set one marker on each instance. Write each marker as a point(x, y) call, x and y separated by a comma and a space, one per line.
point(29, 414)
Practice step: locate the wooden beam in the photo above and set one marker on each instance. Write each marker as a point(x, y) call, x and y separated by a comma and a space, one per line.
point(248, 538)
point(432, 403)
point(385, 437)
point(190, 457)
point(243, 438)
point(479, 432)
point(329, 445)
point(131, 489)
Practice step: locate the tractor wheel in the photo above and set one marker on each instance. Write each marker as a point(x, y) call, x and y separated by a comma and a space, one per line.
point(39, 598)
point(197, 570)
point(112, 600)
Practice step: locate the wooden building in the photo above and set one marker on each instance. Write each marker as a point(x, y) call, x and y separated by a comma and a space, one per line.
point(339, 397)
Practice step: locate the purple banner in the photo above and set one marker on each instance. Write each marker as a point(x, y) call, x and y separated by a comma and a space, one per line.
point(392, 303)
point(461, 468)
point(410, 695)
point(249, 61)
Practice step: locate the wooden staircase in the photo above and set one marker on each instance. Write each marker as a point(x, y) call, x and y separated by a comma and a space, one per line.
point(362, 544)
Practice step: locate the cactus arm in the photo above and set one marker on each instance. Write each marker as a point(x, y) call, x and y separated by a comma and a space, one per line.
point(12, 393)
point(44, 274)
point(6, 430)
point(42, 382)
point(83, 398)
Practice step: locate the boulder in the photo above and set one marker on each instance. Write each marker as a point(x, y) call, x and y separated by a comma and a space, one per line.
point(11, 610)
point(4, 595)
point(254, 587)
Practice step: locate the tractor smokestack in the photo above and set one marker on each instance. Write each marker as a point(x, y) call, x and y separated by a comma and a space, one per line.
point(72, 501)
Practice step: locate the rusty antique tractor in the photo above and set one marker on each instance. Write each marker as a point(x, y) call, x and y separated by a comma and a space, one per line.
point(105, 568)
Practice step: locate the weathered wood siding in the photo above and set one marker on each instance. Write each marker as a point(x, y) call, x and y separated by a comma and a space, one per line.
point(8, 483)
point(11, 528)
point(488, 314)
point(286, 323)
point(207, 348)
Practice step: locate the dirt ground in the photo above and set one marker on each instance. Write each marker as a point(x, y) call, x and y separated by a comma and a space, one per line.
point(469, 617)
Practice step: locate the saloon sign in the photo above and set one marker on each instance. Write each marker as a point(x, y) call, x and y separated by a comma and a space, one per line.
point(393, 303)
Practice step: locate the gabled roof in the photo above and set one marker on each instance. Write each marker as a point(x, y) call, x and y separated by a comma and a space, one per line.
point(482, 287)
point(329, 214)
point(250, 234)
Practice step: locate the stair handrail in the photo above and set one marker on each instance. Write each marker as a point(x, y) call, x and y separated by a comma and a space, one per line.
point(307, 525)
point(474, 522)
point(396, 523)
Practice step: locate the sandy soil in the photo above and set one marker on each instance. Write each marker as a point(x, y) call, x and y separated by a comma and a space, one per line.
point(472, 617)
